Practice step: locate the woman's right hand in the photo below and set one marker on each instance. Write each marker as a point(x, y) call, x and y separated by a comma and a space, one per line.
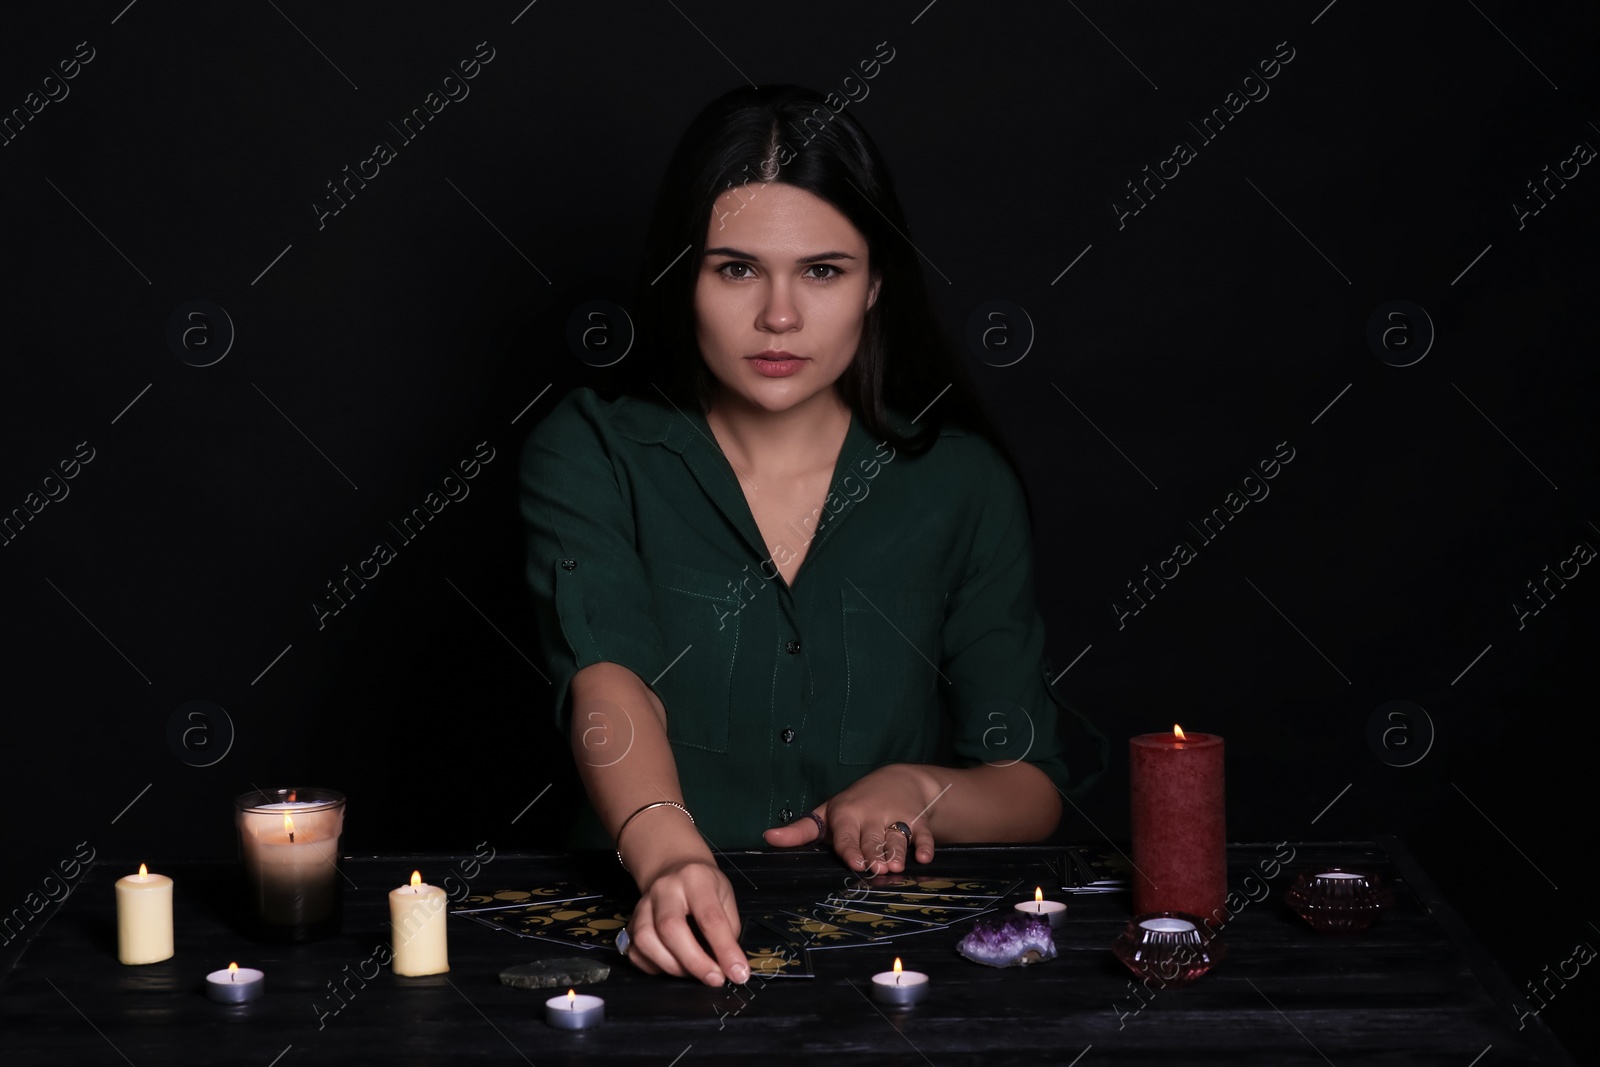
point(660, 937)
point(637, 792)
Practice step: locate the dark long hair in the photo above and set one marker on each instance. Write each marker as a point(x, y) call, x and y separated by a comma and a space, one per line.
point(789, 134)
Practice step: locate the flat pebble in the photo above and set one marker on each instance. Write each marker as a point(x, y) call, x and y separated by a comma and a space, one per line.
point(552, 974)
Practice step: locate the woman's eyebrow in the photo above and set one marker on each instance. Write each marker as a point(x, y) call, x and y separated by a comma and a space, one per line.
point(734, 253)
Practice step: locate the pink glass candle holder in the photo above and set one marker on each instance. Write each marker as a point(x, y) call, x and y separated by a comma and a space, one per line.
point(1167, 948)
point(1339, 901)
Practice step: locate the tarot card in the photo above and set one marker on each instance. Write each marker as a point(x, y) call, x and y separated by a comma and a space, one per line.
point(810, 933)
point(582, 923)
point(874, 925)
point(547, 893)
point(773, 956)
point(928, 913)
point(938, 900)
point(482, 919)
point(947, 885)
point(1086, 870)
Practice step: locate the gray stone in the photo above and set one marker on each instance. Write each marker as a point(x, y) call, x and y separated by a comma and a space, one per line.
point(553, 974)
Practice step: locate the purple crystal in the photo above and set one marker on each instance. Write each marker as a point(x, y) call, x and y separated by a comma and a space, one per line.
point(1014, 941)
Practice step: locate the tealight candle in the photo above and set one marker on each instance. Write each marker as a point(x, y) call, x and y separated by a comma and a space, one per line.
point(144, 917)
point(1052, 911)
point(417, 928)
point(898, 987)
point(235, 984)
point(574, 1012)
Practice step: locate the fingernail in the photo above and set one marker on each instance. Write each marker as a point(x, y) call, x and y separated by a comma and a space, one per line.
point(713, 978)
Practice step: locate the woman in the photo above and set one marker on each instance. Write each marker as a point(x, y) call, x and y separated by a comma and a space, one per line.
point(791, 563)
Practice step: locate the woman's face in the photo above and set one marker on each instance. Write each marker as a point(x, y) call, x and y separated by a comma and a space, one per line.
point(782, 293)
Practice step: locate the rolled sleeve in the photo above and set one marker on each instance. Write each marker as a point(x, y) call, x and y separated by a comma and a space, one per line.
point(592, 600)
point(1002, 704)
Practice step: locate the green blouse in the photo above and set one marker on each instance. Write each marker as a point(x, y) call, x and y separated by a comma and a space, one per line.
point(910, 630)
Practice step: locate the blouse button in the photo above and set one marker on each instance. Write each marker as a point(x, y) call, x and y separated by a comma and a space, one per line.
point(568, 564)
point(788, 734)
point(786, 816)
point(792, 647)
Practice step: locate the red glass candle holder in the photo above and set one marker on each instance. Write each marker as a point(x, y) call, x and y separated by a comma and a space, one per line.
point(1167, 948)
point(1337, 900)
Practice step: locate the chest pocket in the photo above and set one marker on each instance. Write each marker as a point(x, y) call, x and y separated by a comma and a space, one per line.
point(891, 641)
point(699, 618)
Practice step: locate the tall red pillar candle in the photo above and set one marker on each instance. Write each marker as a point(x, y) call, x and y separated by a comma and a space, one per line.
point(1180, 849)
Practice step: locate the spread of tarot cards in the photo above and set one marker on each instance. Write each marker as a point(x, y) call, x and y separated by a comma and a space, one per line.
point(777, 939)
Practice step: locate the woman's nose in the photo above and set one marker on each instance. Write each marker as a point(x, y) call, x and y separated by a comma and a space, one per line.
point(779, 311)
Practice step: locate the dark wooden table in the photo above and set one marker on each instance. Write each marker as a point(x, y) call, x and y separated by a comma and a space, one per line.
point(1416, 989)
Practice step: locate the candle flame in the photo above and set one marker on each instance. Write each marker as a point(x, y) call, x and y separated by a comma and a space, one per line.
point(143, 871)
point(897, 965)
point(572, 997)
point(291, 795)
point(1178, 732)
point(416, 877)
point(1038, 893)
point(233, 971)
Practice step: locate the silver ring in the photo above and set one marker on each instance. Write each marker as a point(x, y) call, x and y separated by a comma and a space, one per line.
point(902, 828)
point(624, 942)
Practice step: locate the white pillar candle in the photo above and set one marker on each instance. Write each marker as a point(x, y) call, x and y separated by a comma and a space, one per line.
point(899, 988)
point(144, 917)
point(574, 1012)
point(291, 852)
point(417, 928)
point(1053, 912)
point(235, 984)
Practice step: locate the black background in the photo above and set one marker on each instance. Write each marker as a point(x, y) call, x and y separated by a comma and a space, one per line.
point(1180, 348)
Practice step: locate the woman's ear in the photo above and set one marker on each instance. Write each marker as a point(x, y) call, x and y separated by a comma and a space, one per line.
point(872, 293)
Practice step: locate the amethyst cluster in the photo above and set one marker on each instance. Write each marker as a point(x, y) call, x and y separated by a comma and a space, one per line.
point(1014, 941)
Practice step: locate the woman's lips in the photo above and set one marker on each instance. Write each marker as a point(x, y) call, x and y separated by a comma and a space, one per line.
point(775, 364)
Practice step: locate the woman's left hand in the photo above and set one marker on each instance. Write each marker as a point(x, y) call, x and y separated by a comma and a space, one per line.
point(858, 820)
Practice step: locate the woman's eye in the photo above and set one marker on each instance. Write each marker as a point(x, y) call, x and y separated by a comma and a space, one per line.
point(739, 271)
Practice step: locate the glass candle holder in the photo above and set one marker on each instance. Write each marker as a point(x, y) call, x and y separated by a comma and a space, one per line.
point(289, 843)
point(1337, 900)
point(1167, 948)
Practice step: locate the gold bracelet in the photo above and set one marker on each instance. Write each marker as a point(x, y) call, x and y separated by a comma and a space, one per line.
point(642, 810)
